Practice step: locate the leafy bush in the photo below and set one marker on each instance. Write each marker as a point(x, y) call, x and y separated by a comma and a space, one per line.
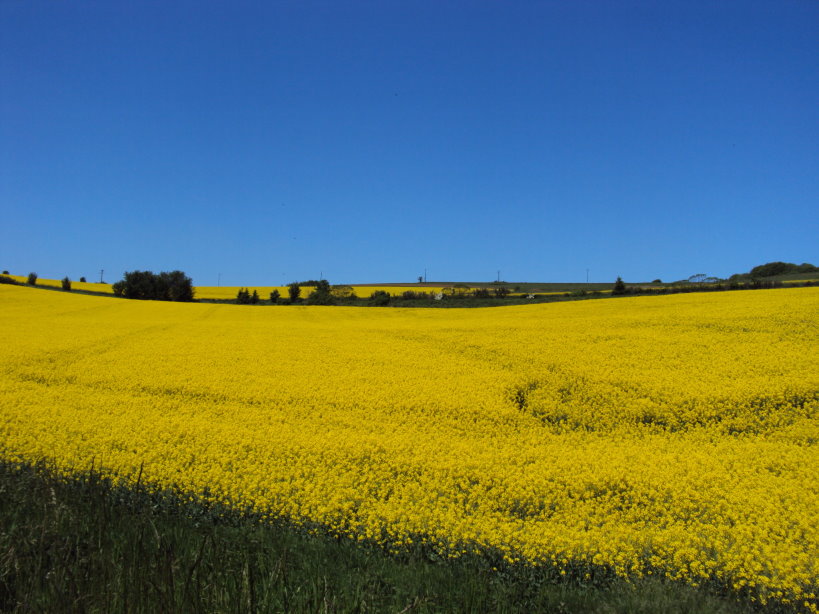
point(294, 291)
point(275, 296)
point(410, 295)
point(481, 292)
point(343, 292)
point(32, 279)
point(502, 292)
point(82, 280)
point(619, 287)
point(379, 298)
point(145, 285)
point(321, 294)
point(7, 280)
point(781, 268)
point(5, 272)
point(244, 297)
point(66, 283)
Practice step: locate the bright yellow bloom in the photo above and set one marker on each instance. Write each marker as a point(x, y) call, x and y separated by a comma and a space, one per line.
point(670, 435)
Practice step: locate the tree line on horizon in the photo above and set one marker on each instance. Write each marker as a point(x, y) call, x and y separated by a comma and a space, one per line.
point(177, 286)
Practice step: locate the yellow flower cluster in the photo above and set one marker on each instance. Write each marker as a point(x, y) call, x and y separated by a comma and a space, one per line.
point(674, 435)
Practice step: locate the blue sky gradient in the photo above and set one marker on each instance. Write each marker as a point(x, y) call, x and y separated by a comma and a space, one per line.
point(259, 143)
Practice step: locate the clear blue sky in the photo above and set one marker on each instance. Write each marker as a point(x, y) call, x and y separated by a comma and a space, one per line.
point(367, 141)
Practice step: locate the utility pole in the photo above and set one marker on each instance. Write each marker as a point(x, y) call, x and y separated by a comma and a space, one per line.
point(587, 275)
point(219, 280)
point(425, 276)
point(498, 276)
point(101, 272)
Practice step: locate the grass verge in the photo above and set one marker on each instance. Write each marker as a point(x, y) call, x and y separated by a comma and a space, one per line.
point(84, 545)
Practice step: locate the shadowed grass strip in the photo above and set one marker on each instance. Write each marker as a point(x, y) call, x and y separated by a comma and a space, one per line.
point(84, 545)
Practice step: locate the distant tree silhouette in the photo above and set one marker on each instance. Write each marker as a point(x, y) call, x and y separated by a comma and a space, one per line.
point(145, 285)
point(294, 291)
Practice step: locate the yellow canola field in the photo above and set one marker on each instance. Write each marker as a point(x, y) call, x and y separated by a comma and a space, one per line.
point(671, 435)
point(86, 286)
point(229, 292)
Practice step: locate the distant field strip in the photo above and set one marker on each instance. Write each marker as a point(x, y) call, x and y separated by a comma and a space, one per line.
point(229, 292)
point(672, 435)
point(85, 286)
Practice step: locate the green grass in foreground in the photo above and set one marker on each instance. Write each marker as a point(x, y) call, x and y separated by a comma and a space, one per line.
point(83, 546)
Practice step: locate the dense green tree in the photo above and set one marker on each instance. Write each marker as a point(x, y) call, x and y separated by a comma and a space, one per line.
point(781, 268)
point(32, 279)
point(294, 291)
point(619, 286)
point(379, 298)
point(66, 284)
point(145, 285)
point(321, 294)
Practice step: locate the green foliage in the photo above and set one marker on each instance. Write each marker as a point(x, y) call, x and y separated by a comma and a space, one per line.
point(82, 280)
point(145, 285)
point(619, 286)
point(66, 284)
point(32, 279)
point(343, 292)
point(244, 297)
point(294, 291)
point(379, 298)
point(8, 280)
point(5, 272)
point(502, 292)
point(275, 296)
point(85, 545)
point(781, 268)
point(321, 294)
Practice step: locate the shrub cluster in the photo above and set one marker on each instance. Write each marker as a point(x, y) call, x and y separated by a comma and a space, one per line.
point(321, 294)
point(244, 297)
point(294, 292)
point(379, 298)
point(172, 286)
point(772, 269)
